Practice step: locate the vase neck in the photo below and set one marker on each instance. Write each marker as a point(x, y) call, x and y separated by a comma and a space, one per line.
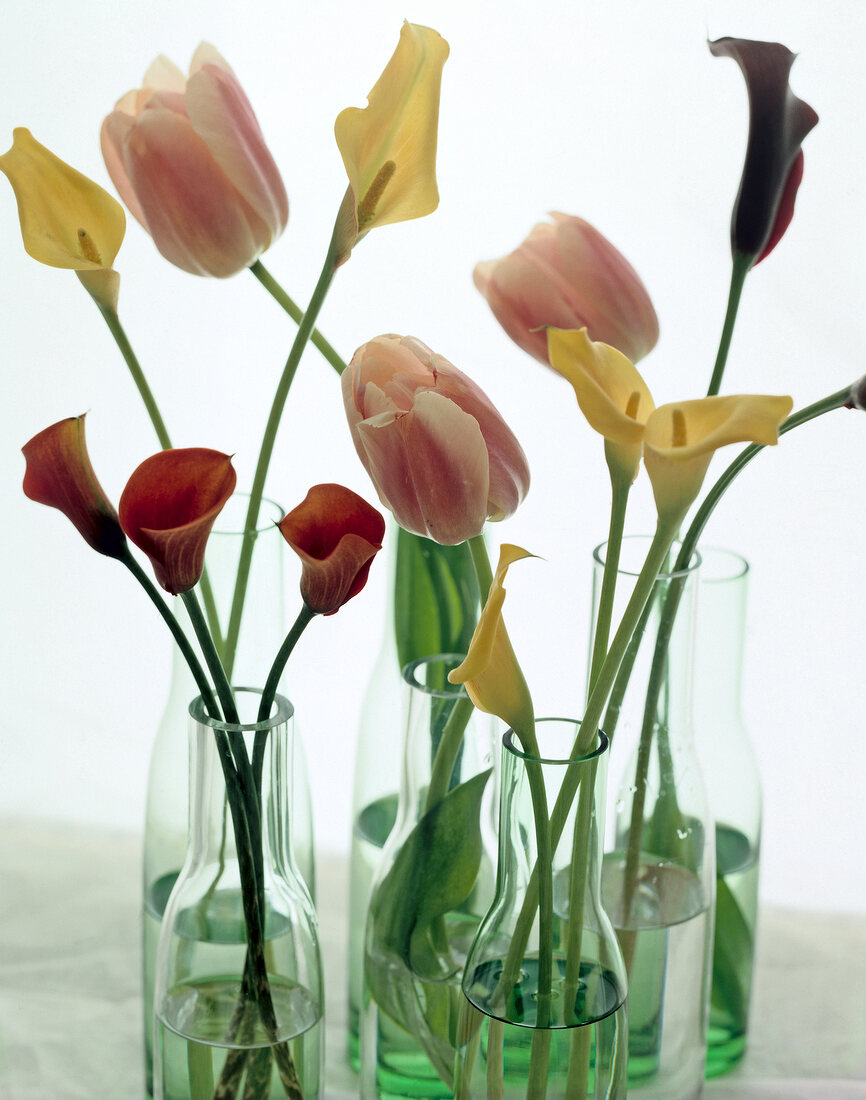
point(721, 627)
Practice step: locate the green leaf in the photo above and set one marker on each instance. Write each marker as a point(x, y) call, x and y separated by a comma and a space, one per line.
point(436, 598)
point(733, 948)
point(433, 874)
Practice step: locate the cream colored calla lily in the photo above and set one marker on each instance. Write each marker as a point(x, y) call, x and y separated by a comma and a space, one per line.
point(66, 219)
point(610, 392)
point(493, 678)
point(680, 440)
point(389, 146)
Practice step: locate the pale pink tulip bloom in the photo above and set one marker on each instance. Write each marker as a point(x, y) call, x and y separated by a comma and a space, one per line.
point(567, 275)
point(438, 452)
point(188, 158)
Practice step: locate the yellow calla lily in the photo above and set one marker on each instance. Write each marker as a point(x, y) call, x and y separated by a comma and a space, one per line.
point(493, 678)
point(389, 146)
point(680, 440)
point(66, 219)
point(610, 392)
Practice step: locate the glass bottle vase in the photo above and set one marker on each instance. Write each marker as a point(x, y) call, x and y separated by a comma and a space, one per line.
point(433, 884)
point(432, 607)
point(658, 878)
point(734, 788)
point(545, 987)
point(238, 982)
point(263, 628)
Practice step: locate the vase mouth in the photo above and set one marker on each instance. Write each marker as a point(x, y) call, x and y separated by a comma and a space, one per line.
point(511, 743)
point(631, 545)
point(281, 712)
point(449, 662)
point(719, 565)
point(230, 522)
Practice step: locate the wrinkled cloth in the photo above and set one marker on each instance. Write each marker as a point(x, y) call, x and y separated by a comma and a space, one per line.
point(70, 984)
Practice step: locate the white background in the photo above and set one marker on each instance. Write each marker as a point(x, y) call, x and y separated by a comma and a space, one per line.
point(609, 109)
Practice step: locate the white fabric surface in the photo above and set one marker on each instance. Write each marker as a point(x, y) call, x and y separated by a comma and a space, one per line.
point(70, 1012)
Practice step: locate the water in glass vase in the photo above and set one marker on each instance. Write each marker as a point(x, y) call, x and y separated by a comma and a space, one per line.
point(192, 1066)
point(372, 827)
point(509, 1060)
point(665, 942)
point(733, 949)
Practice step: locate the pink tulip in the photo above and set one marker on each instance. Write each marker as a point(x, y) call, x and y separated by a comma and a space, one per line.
point(439, 454)
point(568, 276)
point(189, 160)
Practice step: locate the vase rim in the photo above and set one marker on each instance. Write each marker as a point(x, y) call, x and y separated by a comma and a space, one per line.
point(690, 570)
point(263, 525)
point(738, 566)
point(510, 741)
point(282, 711)
point(453, 691)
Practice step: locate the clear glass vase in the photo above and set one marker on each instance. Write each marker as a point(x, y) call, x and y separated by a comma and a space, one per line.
point(238, 981)
point(433, 884)
point(421, 573)
point(734, 788)
point(544, 982)
point(658, 880)
point(263, 628)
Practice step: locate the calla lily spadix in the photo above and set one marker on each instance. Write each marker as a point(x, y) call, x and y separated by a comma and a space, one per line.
point(610, 392)
point(681, 439)
point(389, 146)
point(66, 219)
point(336, 534)
point(59, 474)
point(169, 507)
point(493, 678)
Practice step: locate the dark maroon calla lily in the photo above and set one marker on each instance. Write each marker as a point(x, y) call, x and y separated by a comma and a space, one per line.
point(168, 509)
point(778, 123)
point(336, 534)
point(60, 475)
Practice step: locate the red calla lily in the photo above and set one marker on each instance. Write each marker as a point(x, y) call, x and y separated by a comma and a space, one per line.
point(168, 509)
point(336, 534)
point(778, 123)
point(60, 475)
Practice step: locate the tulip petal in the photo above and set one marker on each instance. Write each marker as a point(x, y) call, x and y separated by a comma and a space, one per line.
point(196, 218)
point(223, 118)
point(169, 506)
point(778, 123)
point(336, 534)
point(59, 474)
point(399, 126)
point(66, 219)
point(493, 678)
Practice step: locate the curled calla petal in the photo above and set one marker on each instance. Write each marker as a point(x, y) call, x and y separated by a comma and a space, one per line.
point(60, 475)
point(169, 506)
point(493, 678)
point(438, 452)
point(188, 158)
point(778, 123)
point(857, 395)
point(336, 534)
point(66, 219)
point(681, 439)
point(567, 275)
point(610, 392)
point(389, 146)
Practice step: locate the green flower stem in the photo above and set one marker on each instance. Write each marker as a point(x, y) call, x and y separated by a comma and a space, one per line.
point(481, 561)
point(739, 271)
point(178, 634)
point(581, 841)
point(620, 487)
point(296, 313)
point(300, 342)
point(447, 752)
point(664, 536)
point(122, 340)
